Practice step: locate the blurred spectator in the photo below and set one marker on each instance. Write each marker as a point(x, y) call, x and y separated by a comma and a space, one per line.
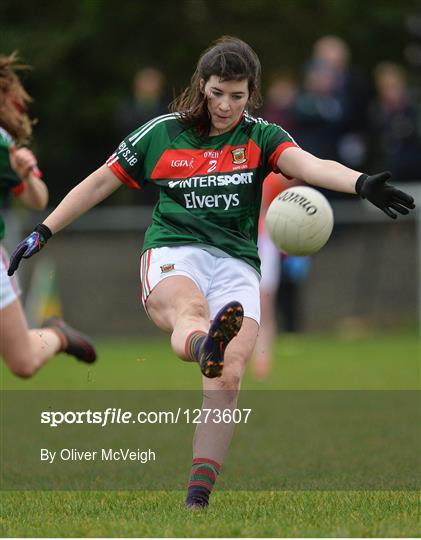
point(295, 271)
point(146, 102)
point(279, 104)
point(395, 120)
point(271, 304)
point(412, 51)
point(332, 105)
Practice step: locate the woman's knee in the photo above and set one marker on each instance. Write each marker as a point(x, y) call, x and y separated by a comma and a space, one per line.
point(235, 366)
point(21, 365)
point(231, 377)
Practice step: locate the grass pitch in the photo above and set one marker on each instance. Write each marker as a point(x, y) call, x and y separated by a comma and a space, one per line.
point(232, 514)
point(303, 362)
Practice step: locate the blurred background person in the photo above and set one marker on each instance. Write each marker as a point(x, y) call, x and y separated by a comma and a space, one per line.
point(279, 106)
point(147, 101)
point(395, 123)
point(294, 270)
point(270, 302)
point(352, 93)
point(331, 109)
point(24, 350)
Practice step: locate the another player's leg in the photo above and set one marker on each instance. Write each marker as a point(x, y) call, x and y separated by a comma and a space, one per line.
point(212, 439)
point(262, 358)
point(25, 351)
point(72, 341)
point(271, 269)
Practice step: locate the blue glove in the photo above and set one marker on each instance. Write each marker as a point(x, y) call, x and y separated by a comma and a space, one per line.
point(29, 246)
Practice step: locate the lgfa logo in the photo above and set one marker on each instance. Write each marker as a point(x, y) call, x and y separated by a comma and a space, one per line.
point(182, 163)
point(239, 155)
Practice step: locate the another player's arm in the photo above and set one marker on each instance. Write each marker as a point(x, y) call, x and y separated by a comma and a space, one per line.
point(299, 164)
point(35, 192)
point(95, 188)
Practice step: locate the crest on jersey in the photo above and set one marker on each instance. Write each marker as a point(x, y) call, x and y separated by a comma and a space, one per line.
point(239, 155)
point(167, 268)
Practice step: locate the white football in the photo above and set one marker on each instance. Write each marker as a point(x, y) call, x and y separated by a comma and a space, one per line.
point(299, 220)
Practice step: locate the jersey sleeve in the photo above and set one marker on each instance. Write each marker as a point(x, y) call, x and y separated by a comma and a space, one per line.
point(128, 161)
point(277, 140)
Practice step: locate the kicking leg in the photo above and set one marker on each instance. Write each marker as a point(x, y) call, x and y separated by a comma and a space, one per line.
point(176, 305)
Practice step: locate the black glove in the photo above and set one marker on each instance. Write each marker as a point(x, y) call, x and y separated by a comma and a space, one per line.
point(383, 195)
point(29, 246)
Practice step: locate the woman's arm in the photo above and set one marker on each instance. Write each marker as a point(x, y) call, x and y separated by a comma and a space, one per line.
point(297, 163)
point(91, 191)
point(328, 174)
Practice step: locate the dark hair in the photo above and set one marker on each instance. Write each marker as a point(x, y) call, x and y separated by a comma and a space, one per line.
point(19, 125)
point(230, 59)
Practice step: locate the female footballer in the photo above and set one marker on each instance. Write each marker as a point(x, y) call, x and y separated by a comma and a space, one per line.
point(199, 265)
point(24, 350)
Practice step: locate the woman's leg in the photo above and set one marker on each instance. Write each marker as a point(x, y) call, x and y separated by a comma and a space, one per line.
point(24, 350)
point(176, 305)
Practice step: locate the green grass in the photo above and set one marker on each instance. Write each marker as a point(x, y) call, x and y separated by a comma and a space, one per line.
point(303, 362)
point(379, 362)
point(232, 514)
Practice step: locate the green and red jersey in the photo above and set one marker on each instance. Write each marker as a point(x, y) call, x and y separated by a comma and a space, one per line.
point(210, 189)
point(9, 181)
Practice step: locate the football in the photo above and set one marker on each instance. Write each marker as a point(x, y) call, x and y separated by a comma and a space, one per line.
point(299, 220)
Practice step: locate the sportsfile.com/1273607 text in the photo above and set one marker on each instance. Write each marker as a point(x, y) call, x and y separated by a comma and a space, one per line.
point(113, 415)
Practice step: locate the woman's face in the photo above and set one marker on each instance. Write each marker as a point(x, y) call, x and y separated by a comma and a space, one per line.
point(12, 111)
point(226, 102)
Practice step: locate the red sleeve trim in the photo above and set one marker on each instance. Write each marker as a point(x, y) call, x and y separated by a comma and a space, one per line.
point(278, 151)
point(18, 190)
point(121, 174)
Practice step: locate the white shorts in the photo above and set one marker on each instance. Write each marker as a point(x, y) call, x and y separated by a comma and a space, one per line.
point(220, 279)
point(9, 288)
point(270, 257)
